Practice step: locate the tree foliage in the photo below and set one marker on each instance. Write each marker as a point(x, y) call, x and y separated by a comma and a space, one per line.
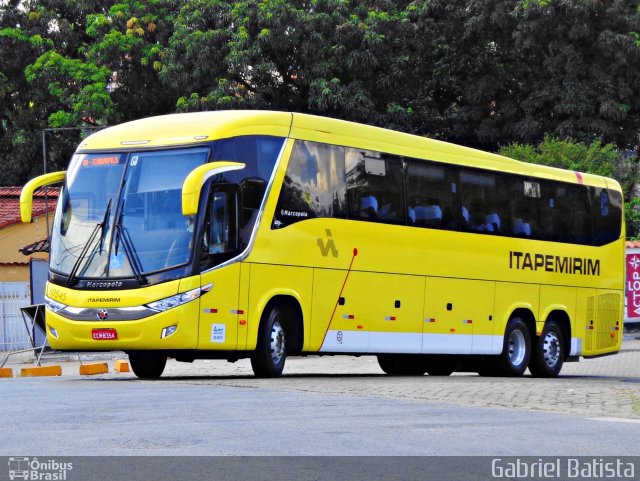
point(484, 73)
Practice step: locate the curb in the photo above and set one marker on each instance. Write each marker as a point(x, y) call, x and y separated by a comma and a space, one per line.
point(94, 368)
point(121, 366)
point(6, 372)
point(55, 370)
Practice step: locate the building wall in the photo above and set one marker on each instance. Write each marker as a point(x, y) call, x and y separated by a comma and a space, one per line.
point(14, 266)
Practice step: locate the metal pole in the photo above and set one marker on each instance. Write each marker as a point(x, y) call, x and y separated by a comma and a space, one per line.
point(44, 164)
point(46, 189)
point(44, 151)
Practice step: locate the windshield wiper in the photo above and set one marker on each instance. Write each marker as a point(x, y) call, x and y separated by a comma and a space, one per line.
point(134, 261)
point(103, 225)
point(100, 226)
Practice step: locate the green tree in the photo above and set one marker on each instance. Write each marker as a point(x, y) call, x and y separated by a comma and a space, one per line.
point(333, 57)
point(483, 73)
point(632, 218)
point(580, 70)
point(129, 39)
point(595, 158)
point(16, 110)
point(41, 34)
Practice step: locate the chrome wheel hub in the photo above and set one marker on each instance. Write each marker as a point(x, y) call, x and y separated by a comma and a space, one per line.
point(517, 347)
point(551, 348)
point(278, 344)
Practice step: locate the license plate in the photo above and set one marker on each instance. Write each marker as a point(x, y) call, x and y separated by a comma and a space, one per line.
point(104, 334)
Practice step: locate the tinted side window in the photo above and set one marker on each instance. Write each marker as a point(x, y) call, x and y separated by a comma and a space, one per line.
point(374, 186)
point(565, 213)
point(432, 195)
point(314, 184)
point(526, 203)
point(606, 210)
point(484, 203)
point(259, 153)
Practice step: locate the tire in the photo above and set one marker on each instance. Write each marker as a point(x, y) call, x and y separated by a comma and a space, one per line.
point(270, 355)
point(516, 350)
point(147, 364)
point(548, 353)
point(398, 365)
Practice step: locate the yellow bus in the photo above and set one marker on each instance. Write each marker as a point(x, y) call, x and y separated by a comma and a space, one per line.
point(262, 235)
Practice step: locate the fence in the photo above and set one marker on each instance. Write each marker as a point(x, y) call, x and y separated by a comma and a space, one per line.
point(13, 334)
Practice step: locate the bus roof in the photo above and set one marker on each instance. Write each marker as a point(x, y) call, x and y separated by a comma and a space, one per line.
point(196, 127)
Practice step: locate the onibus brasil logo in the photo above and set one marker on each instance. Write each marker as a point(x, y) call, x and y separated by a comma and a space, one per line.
point(41, 470)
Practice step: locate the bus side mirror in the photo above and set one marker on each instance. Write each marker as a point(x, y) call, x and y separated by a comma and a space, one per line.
point(192, 185)
point(26, 195)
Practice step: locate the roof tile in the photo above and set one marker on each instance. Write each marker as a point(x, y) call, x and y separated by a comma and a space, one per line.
point(10, 203)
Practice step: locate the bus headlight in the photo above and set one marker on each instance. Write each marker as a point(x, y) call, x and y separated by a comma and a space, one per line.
point(179, 299)
point(52, 305)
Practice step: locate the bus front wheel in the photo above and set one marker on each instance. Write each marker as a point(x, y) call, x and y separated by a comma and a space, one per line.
point(147, 364)
point(271, 352)
point(548, 352)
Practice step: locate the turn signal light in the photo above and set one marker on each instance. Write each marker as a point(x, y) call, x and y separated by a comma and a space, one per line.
point(168, 331)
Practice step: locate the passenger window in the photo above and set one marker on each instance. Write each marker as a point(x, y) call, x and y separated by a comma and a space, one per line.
point(431, 196)
point(220, 234)
point(606, 210)
point(483, 202)
point(374, 186)
point(525, 200)
point(571, 216)
point(314, 184)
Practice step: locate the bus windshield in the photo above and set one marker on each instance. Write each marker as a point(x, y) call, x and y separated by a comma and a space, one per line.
point(120, 214)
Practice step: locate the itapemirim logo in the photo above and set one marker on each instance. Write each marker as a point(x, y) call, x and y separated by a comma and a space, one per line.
point(38, 470)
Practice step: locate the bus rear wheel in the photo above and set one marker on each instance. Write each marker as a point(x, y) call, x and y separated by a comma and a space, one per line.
point(398, 365)
point(271, 352)
point(516, 352)
point(147, 364)
point(548, 353)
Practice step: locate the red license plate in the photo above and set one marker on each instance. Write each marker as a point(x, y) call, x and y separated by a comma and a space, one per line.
point(104, 334)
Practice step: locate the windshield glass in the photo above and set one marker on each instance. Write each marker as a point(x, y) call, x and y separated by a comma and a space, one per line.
point(93, 182)
point(119, 209)
point(151, 211)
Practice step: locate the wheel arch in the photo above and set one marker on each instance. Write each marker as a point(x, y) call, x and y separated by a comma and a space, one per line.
point(294, 326)
point(527, 317)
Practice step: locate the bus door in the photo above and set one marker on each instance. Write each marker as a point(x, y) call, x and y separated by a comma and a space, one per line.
point(219, 312)
point(458, 316)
